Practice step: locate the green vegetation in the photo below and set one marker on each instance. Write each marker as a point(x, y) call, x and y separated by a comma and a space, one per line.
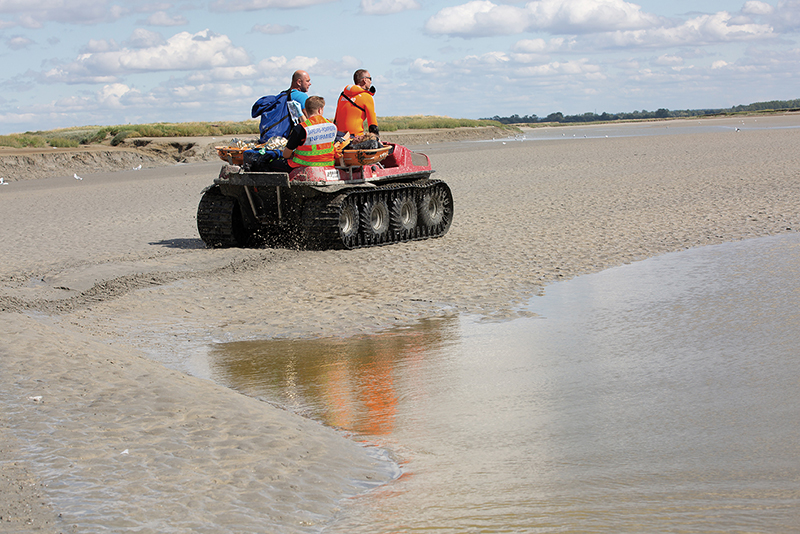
point(426, 122)
point(758, 107)
point(114, 135)
point(22, 140)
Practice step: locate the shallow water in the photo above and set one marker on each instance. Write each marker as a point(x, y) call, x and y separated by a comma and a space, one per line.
point(657, 396)
point(576, 131)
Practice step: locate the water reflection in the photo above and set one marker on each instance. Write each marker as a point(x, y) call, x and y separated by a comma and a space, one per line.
point(658, 396)
point(347, 383)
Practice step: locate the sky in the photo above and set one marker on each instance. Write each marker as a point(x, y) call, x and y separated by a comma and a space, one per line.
point(111, 62)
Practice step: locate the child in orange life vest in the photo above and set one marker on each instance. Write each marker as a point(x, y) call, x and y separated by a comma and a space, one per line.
point(310, 143)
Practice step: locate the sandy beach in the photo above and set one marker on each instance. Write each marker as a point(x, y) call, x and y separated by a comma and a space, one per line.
point(100, 274)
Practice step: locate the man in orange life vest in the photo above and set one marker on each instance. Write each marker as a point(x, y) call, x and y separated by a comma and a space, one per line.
point(310, 143)
point(355, 105)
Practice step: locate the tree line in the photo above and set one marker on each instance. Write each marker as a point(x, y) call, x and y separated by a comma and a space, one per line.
point(662, 113)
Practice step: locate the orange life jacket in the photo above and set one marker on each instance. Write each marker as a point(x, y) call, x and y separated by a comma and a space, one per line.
point(317, 150)
point(355, 105)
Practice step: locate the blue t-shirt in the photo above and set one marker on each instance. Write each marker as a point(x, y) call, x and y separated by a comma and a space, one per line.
point(300, 97)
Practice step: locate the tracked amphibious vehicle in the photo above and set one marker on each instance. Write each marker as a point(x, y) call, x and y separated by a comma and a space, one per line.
point(369, 198)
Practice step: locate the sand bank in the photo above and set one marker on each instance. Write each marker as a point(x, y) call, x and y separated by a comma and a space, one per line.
point(99, 273)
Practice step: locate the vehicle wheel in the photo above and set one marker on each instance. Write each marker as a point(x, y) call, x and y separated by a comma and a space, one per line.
point(348, 222)
point(375, 218)
point(433, 206)
point(404, 215)
point(219, 220)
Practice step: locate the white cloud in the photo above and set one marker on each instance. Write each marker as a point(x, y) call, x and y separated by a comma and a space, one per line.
point(141, 38)
point(119, 104)
point(387, 7)
point(701, 30)
point(19, 118)
point(342, 69)
point(628, 64)
point(280, 64)
point(18, 42)
point(470, 70)
point(95, 46)
point(540, 46)
point(426, 66)
point(786, 16)
point(161, 18)
point(719, 64)
point(181, 52)
point(531, 46)
point(614, 23)
point(274, 29)
point(667, 60)
point(34, 13)
point(755, 7)
point(488, 59)
point(467, 20)
point(580, 67)
point(110, 95)
point(253, 5)
point(483, 17)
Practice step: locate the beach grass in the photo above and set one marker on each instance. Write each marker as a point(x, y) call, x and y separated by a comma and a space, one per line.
point(114, 135)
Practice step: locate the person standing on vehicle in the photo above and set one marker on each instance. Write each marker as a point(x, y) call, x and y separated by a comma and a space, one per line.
point(355, 105)
point(310, 143)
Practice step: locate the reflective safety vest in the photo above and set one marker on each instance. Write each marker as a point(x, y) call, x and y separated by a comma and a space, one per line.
point(317, 150)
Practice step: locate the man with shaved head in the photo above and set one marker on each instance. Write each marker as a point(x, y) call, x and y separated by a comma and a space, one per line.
point(301, 81)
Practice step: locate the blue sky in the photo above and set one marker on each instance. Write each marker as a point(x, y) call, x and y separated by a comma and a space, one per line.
point(105, 62)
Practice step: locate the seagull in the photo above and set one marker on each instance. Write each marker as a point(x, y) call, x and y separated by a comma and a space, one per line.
point(76, 176)
point(3, 181)
point(138, 168)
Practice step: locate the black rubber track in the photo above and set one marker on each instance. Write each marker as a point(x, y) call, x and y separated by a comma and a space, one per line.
point(219, 221)
point(321, 215)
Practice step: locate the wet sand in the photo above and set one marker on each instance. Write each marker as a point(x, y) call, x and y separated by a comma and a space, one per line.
point(100, 273)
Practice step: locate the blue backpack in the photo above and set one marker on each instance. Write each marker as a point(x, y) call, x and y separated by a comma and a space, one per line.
point(276, 120)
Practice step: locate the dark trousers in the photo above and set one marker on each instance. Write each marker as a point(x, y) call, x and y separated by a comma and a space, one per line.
point(280, 165)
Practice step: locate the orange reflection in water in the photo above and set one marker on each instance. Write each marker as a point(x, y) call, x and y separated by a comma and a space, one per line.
point(347, 383)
